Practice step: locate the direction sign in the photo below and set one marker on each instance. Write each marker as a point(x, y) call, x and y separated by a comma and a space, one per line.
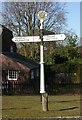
point(46, 38)
point(27, 39)
point(56, 37)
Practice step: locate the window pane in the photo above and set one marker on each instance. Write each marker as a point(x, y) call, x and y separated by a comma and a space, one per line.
point(12, 75)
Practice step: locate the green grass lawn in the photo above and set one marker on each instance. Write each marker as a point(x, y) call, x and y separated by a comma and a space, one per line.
point(30, 106)
point(0, 106)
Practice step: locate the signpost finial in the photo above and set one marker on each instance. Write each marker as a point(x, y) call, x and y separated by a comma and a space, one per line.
point(42, 15)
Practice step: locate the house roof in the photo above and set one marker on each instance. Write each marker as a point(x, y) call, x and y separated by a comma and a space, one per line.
point(8, 63)
point(21, 61)
point(6, 29)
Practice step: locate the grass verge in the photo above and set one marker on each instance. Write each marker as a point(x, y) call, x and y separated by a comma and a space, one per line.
point(30, 106)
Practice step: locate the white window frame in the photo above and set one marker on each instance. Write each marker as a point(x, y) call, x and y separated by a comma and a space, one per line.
point(12, 75)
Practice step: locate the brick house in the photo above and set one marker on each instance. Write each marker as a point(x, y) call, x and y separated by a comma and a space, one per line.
point(15, 67)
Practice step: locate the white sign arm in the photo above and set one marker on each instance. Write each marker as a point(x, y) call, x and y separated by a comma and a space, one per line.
point(37, 38)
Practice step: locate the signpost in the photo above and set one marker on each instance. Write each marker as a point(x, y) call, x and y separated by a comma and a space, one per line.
point(37, 38)
point(44, 99)
point(42, 15)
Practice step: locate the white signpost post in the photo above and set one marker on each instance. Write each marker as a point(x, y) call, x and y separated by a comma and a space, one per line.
point(41, 16)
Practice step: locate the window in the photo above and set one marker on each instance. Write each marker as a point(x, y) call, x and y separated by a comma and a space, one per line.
point(37, 72)
point(12, 75)
point(11, 48)
point(32, 74)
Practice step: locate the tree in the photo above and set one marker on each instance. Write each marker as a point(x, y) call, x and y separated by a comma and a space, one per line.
point(60, 59)
point(72, 46)
point(66, 51)
point(21, 18)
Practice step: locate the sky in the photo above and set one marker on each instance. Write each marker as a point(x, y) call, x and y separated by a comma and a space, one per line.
point(73, 17)
point(73, 9)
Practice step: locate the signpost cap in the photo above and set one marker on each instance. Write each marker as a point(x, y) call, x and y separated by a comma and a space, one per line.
point(42, 15)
